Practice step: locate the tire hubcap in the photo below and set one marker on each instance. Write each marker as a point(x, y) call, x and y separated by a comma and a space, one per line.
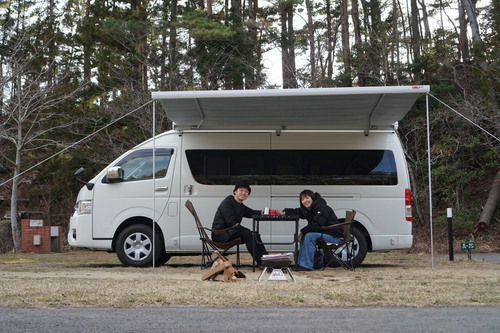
point(343, 252)
point(137, 247)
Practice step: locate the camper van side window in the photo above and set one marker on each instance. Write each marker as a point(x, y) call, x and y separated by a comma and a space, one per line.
point(139, 164)
point(293, 167)
point(224, 167)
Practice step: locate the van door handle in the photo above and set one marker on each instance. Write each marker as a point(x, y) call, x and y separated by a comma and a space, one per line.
point(161, 189)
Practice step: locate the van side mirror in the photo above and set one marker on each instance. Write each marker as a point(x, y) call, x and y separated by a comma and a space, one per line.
point(90, 186)
point(115, 174)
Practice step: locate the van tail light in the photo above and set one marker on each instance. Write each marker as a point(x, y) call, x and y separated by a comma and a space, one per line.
point(408, 202)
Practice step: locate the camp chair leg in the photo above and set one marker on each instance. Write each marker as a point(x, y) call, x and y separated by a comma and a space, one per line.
point(206, 256)
point(348, 264)
point(205, 264)
point(238, 256)
point(337, 259)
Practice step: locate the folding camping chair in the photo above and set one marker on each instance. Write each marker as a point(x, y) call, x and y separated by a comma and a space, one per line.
point(345, 249)
point(208, 243)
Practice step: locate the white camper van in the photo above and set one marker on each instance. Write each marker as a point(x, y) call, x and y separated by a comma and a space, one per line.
point(339, 142)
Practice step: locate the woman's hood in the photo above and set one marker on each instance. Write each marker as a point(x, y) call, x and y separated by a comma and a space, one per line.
point(319, 200)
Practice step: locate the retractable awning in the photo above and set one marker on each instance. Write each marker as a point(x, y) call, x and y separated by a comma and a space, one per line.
point(359, 108)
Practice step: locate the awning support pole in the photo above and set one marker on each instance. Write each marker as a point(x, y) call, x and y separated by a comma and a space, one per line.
point(430, 178)
point(370, 126)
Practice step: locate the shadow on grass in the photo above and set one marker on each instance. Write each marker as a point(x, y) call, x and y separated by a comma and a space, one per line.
point(181, 265)
point(197, 265)
point(380, 265)
point(104, 265)
point(96, 265)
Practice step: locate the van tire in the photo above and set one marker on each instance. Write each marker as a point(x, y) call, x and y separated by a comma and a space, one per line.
point(164, 257)
point(360, 249)
point(134, 246)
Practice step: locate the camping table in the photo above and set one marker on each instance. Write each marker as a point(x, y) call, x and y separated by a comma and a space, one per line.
point(255, 229)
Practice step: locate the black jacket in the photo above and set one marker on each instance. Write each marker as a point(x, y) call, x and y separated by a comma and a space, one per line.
point(319, 215)
point(229, 213)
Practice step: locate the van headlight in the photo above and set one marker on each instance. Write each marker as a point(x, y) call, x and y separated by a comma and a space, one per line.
point(83, 207)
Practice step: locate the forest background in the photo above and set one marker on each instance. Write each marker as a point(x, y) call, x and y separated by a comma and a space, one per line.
point(71, 68)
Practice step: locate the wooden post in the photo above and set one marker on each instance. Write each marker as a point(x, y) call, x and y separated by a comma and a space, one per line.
point(450, 233)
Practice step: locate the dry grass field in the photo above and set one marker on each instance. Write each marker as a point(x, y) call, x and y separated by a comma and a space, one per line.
point(91, 279)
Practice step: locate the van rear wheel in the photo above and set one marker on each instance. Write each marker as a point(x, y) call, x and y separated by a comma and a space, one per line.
point(134, 246)
point(360, 249)
point(164, 257)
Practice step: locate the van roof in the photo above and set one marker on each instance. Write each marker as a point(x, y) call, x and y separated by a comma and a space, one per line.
point(353, 108)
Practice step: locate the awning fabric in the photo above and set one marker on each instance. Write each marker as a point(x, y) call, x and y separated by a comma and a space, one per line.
point(357, 108)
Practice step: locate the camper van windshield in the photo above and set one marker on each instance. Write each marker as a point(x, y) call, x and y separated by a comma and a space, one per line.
point(293, 167)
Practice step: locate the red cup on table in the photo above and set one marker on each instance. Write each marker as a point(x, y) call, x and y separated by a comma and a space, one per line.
point(273, 212)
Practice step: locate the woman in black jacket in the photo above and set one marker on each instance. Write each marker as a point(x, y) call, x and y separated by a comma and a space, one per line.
point(230, 212)
point(314, 209)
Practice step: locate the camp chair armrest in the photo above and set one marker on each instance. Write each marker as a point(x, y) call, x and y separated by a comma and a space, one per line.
point(338, 225)
point(222, 231)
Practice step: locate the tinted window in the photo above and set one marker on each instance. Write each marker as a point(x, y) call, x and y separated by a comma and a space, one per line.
point(293, 167)
point(139, 164)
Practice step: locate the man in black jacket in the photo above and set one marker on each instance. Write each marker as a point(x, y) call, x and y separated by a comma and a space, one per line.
point(230, 212)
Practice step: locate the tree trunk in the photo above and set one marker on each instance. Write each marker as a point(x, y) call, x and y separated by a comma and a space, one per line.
point(329, 38)
point(291, 50)
point(51, 44)
point(471, 15)
point(355, 20)
point(236, 10)
point(425, 20)
point(312, 46)
point(288, 48)
point(87, 47)
point(491, 205)
point(463, 44)
point(209, 10)
point(254, 75)
point(470, 8)
point(345, 42)
point(416, 41)
point(172, 42)
point(395, 36)
point(415, 31)
point(357, 35)
point(14, 220)
point(404, 32)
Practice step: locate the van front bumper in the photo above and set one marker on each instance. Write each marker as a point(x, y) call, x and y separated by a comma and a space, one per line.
point(80, 230)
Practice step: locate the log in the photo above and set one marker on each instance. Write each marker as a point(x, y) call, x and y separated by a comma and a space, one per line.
point(223, 270)
point(491, 204)
point(215, 270)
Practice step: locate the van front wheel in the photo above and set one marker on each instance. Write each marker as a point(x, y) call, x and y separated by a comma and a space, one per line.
point(134, 246)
